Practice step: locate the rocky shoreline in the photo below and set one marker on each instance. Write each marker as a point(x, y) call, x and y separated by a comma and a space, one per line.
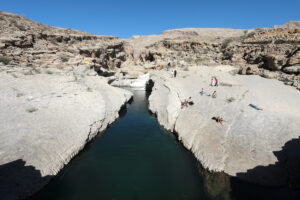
point(256, 146)
point(46, 119)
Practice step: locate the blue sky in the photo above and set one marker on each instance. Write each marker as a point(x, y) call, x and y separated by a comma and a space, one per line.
point(125, 18)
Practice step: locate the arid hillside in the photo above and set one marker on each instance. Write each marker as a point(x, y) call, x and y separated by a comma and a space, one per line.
point(270, 52)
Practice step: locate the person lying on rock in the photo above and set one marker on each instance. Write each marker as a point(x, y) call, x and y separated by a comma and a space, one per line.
point(202, 92)
point(219, 120)
point(255, 107)
point(190, 101)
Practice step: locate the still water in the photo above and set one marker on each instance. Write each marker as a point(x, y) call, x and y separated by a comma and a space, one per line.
point(136, 159)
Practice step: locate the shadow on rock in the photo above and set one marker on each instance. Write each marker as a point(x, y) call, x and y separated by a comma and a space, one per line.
point(284, 175)
point(283, 179)
point(18, 181)
point(285, 172)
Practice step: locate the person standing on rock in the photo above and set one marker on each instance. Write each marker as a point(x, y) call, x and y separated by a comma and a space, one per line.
point(175, 73)
point(212, 81)
point(216, 82)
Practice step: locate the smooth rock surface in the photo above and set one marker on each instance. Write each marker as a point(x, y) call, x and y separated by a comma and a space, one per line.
point(45, 120)
point(252, 145)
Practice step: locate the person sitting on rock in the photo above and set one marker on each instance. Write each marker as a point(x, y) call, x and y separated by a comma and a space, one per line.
point(214, 94)
point(202, 91)
point(219, 120)
point(190, 101)
point(184, 103)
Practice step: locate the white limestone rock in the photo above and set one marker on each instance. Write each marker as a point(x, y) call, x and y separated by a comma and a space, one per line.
point(252, 145)
point(45, 120)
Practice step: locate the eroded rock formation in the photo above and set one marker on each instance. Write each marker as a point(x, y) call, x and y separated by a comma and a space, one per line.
point(247, 145)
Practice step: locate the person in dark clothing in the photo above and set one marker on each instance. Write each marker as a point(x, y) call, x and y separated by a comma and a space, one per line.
point(190, 101)
point(175, 73)
point(219, 120)
point(216, 81)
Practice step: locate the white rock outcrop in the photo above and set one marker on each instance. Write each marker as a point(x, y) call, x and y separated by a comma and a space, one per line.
point(45, 120)
point(258, 146)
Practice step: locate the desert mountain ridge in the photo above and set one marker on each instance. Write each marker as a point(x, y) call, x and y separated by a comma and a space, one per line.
point(270, 52)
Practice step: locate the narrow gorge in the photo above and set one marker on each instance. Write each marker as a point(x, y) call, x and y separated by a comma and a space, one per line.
point(62, 88)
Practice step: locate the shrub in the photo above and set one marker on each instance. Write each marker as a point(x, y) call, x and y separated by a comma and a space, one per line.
point(89, 89)
point(226, 43)
point(49, 72)
point(64, 59)
point(31, 110)
point(228, 55)
point(5, 60)
point(21, 27)
point(231, 99)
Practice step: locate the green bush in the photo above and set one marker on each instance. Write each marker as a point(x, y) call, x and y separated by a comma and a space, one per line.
point(21, 27)
point(231, 99)
point(31, 110)
point(64, 59)
point(5, 60)
point(228, 55)
point(226, 43)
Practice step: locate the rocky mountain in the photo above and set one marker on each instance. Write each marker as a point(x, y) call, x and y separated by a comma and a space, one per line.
point(269, 52)
point(27, 43)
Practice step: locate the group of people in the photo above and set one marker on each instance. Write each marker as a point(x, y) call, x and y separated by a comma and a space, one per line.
point(185, 103)
point(189, 101)
point(214, 81)
point(174, 73)
point(213, 95)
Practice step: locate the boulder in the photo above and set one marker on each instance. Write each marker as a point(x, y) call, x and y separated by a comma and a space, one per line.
point(295, 59)
point(292, 69)
point(249, 70)
point(274, 62)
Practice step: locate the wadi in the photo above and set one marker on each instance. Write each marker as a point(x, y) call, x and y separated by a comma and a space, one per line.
point(60, 88)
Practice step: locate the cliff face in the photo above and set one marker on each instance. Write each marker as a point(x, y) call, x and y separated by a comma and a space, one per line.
point(27, 43)
point(269, 52)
